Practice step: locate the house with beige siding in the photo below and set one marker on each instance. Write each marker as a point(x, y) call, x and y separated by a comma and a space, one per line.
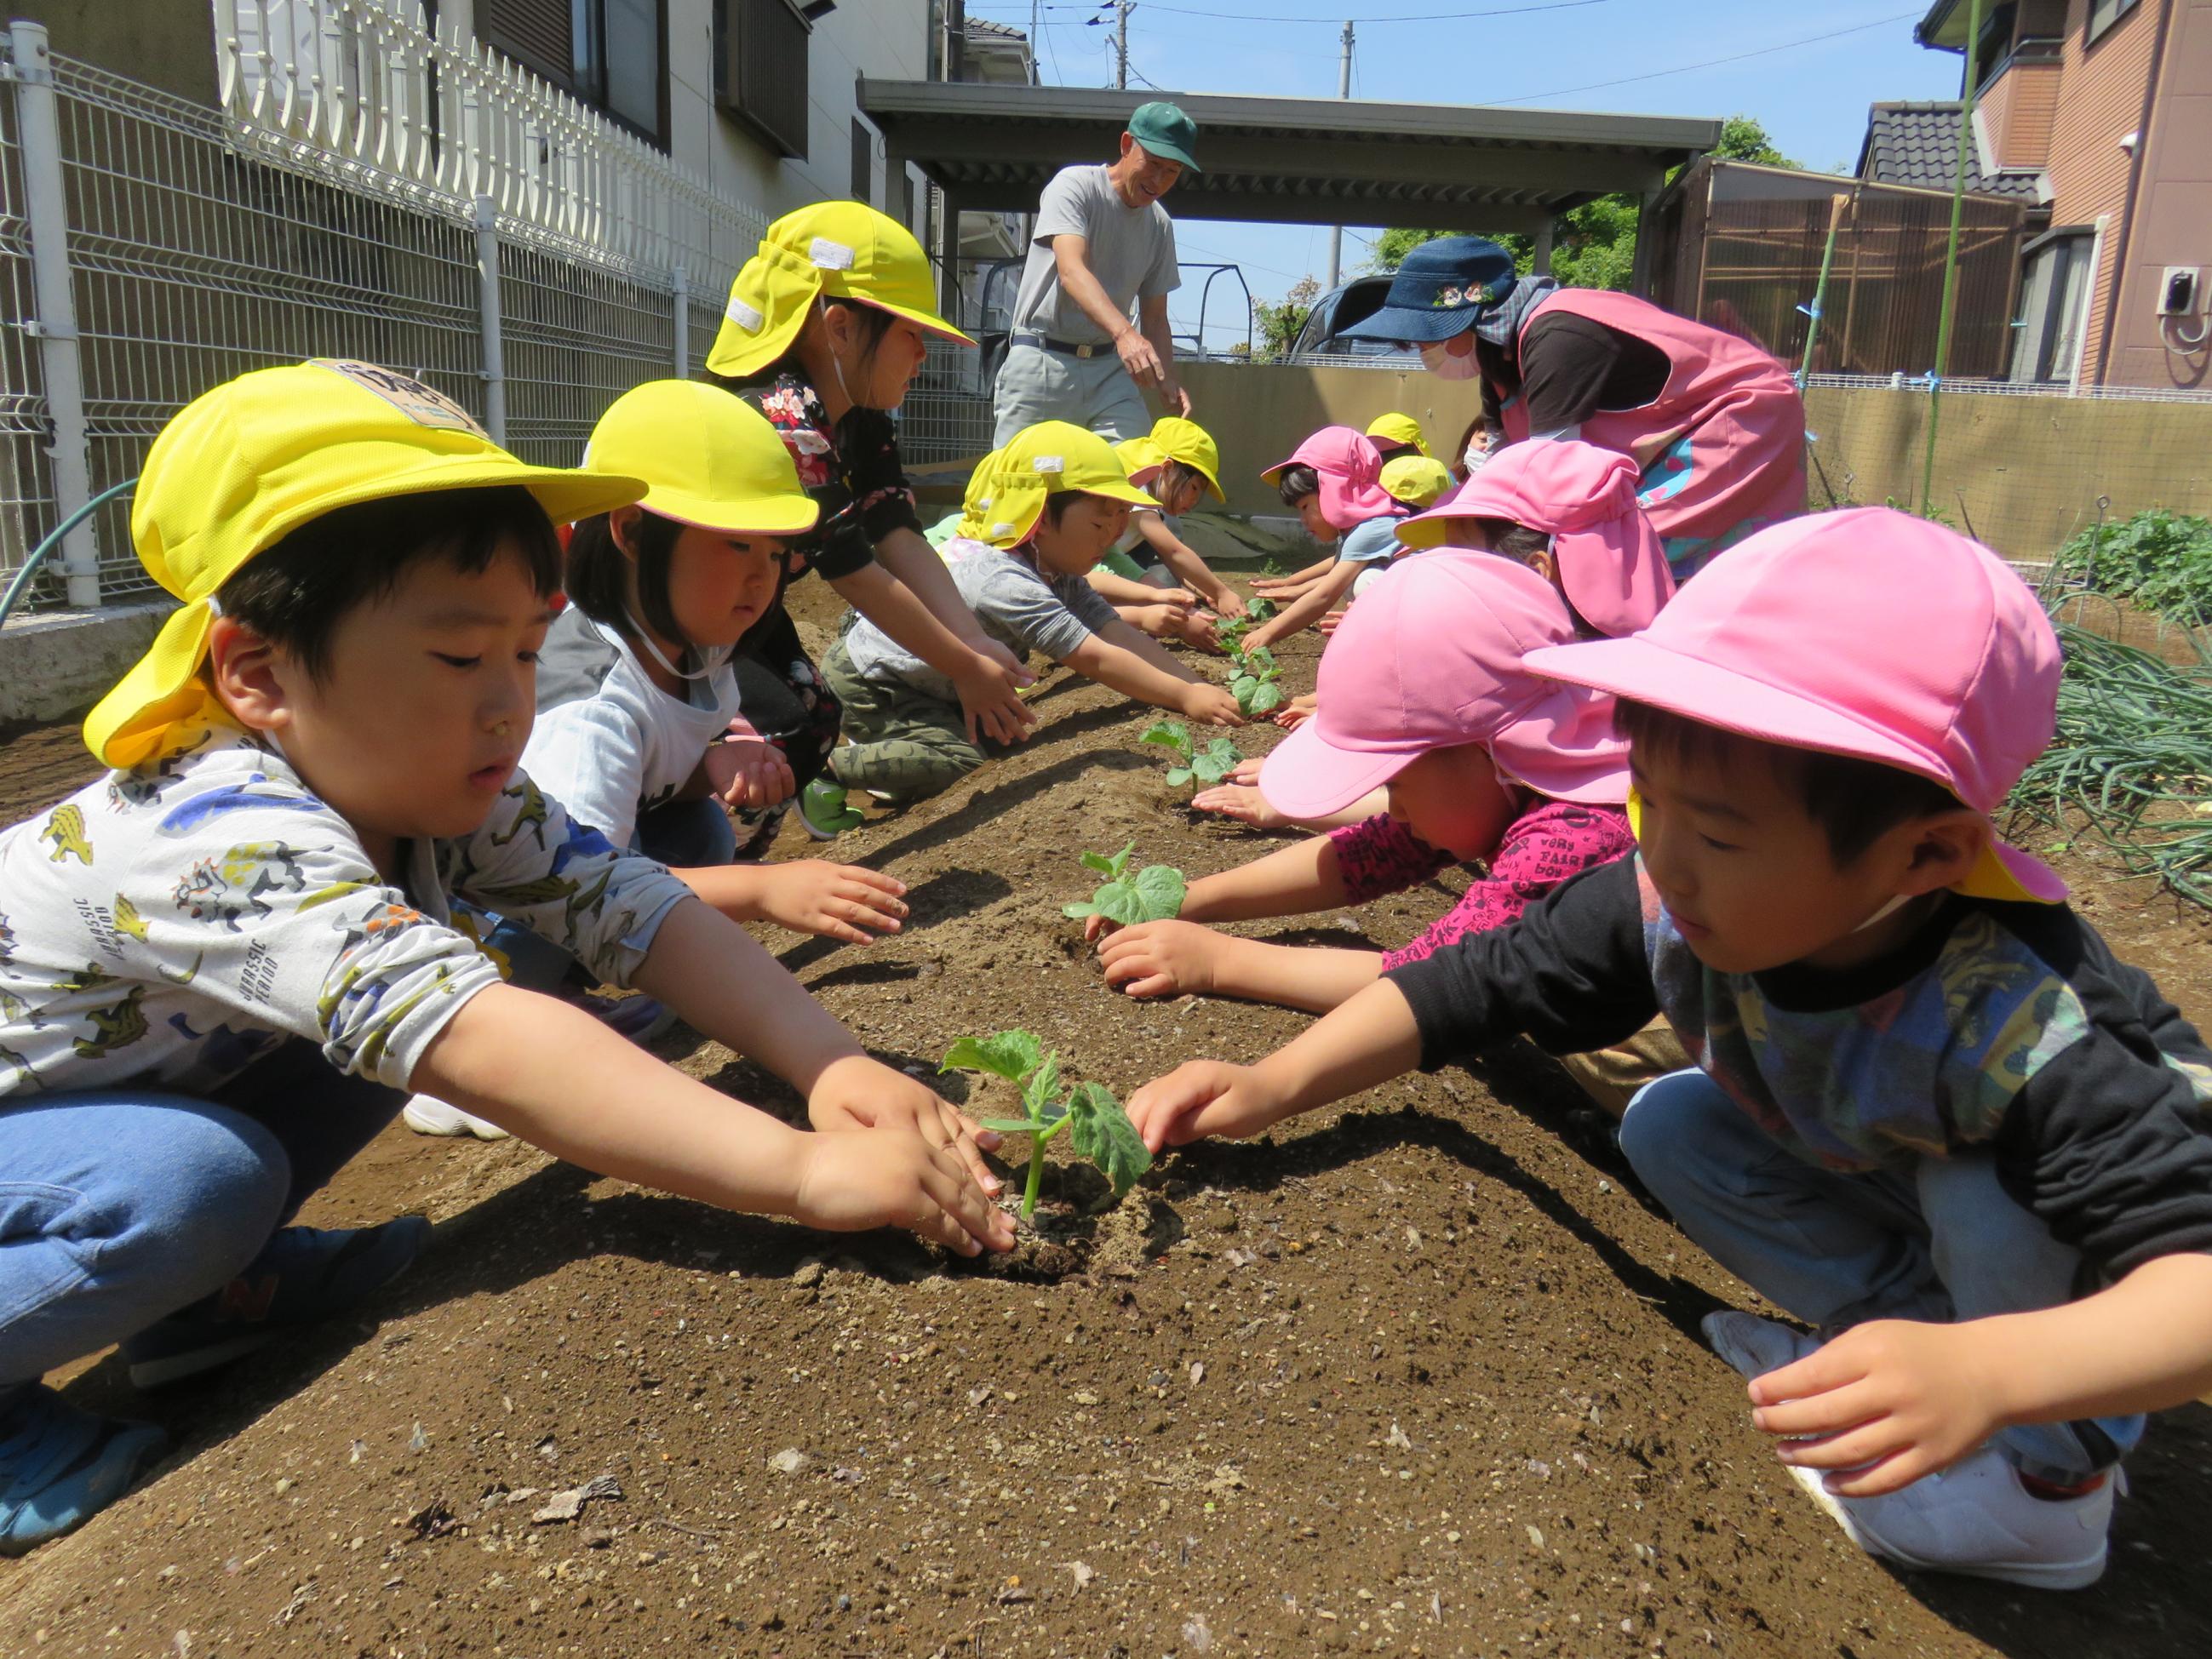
point(2098, 114)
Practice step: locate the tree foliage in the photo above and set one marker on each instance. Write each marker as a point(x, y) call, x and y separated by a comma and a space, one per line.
point(1595, 244)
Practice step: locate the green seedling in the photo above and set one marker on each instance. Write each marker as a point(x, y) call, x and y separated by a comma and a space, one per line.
point(1231, 630)
point(1153, 894)
point(1206, 766)
point(1088, 1111)
point(1253, 683)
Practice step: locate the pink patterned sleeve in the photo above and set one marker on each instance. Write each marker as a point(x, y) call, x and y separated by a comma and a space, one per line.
point(1382, 855)
point(1554, 839)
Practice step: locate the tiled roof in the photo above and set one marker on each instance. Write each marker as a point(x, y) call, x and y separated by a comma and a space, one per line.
point(1003, 31)
point(1918, 144)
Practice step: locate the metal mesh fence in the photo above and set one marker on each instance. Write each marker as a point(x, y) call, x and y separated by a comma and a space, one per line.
point(196, 254)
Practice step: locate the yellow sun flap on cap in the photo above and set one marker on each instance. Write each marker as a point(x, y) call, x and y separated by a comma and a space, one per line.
point(707, 459)
point(1052, 455)
point(240, 468)
point(1187, 441)
point(1396, 429)
point(830, 251)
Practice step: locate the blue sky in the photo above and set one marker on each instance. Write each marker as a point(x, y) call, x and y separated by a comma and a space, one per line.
point(1811, 98)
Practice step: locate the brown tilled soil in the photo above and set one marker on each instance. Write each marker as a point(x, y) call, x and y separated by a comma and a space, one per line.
point(1419, 1376)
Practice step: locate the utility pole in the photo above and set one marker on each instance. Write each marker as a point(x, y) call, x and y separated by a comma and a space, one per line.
point(1343, 90)
point(1121, 10)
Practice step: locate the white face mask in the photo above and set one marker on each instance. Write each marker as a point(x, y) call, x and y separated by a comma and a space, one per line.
point(1441, 361)
point(1887, 910)
point(836, 365)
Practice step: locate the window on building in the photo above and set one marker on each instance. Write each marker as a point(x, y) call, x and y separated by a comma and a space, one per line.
point(611, 54)
point(2054, 304)
point(864, 162)
point(760, 68)
point(2103, 14)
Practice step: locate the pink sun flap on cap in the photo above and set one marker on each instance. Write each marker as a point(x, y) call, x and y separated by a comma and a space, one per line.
point(1433, 657)
point(1865, 632)
point(1611, 562)
point(1349, 469)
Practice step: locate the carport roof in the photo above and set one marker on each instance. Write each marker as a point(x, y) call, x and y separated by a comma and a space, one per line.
point(1293, 160)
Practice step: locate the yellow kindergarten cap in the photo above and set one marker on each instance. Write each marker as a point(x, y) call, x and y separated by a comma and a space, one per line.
point(1415, 479)
point(830, 251)
point(1052, 455)
point(707, 459)
point(240, 468)
point(1396, 429)
point(975, 499)
point(1187, 441)
point(1140, 457)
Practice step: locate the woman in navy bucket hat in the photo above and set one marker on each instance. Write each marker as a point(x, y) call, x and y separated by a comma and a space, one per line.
point(1714, 424)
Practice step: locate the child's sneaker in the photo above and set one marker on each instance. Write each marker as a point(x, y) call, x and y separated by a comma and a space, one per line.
point(59, 1466)
point(1976, 1518)
point(823, 809)
point(303, 1275)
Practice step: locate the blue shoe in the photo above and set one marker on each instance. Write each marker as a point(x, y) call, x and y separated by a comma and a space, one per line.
point(822, 809)
point(59, 1467)
point(304, 1276)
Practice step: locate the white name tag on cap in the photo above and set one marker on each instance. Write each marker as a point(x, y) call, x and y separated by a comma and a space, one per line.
point(829, 255)
point(744, 316)
point(425, 405)
point(1049, 464)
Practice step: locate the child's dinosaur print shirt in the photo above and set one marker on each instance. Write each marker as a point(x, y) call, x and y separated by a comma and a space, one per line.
point(165, 927)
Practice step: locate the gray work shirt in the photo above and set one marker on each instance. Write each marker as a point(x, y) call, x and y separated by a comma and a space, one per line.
point(1019, 606)
point(1131, 251)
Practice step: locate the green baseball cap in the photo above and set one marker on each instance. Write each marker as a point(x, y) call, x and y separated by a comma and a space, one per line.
point(1165, 131)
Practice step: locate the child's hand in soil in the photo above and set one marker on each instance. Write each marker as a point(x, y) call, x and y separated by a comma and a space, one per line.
point(1297, 711)
point(1246, 771)
point(1212, 705)
point(860, 1093)
point(1240, 801)
point(837, 901)
point(850, 1182)
point(749, 772)
point(1176, 621)
point(1204, 1097)
point(1329, 623)
point(989, 690)
point(1162, 958)
point(1892, 1401)
point(1228, 605)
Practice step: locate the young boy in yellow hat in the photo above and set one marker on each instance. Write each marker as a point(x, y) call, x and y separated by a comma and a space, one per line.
point(826, 327)
point(223, 965)
point(1039, 515)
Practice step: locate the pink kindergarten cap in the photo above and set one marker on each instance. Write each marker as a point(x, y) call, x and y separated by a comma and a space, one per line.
point(1610, 560)
point(1868, 632)
point(1431, 658)
point(1350, 470)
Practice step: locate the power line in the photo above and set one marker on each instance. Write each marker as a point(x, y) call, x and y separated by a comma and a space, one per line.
point(1711, 63)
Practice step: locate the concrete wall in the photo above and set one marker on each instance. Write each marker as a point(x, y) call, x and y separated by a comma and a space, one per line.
point(2029, 470)
point(1258, 413)
point(2024, 473)
point(170, 44)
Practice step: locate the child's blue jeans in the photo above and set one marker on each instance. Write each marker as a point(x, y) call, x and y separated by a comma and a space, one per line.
point(683, 835)
point(1940, 1240)
point(121, 1207)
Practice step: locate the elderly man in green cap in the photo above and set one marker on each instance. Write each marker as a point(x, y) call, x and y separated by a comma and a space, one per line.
point(1102, 243)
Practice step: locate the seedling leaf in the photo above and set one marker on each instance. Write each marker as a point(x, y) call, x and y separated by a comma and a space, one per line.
point(1040, 1085)
point(1161, 887)
point(1009, 1055)
point(1007, 1126)
point(1168, 734)
point(1120, 901)
point(1103, 1132)
point(1258, 609)
point(1264, 697)
point(1179, 775)
point(1077, 912)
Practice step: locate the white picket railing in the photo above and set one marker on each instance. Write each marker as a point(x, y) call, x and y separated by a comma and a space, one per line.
point(365, 84)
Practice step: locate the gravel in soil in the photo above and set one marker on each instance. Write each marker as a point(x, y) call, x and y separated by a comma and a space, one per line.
point(1416, 1377)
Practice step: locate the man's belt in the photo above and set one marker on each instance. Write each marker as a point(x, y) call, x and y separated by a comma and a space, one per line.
point(1066, 348)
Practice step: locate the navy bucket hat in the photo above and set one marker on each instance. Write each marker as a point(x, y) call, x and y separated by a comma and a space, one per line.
point(1444, 289)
